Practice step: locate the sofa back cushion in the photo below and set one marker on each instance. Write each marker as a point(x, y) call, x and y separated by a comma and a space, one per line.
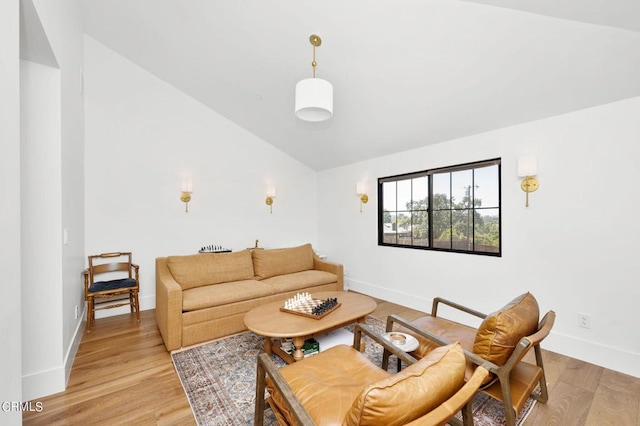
point(411, 393)
point(501, 331)
point(210, 268)
point(269, 263)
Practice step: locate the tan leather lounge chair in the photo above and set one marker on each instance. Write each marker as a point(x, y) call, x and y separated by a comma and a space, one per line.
point(342, 386)
point(502, 340)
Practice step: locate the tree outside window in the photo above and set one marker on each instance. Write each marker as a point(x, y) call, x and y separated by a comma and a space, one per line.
point(455, 208)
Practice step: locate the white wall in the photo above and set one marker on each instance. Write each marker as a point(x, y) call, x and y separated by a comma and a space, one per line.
point(574, 248)
point(48, 358)
point(62, 22)
point(142, 137)
point(41, 240)
point(10, 356)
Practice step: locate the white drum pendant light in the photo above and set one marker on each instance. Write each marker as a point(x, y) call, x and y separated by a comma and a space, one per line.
point(314, 96)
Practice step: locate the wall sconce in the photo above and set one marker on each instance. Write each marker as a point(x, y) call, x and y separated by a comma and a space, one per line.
point(528, 168)
point(187, 189)
point(361, 190)
point(271, 194)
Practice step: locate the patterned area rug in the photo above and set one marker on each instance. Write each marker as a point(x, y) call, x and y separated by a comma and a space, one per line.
point(219, 380)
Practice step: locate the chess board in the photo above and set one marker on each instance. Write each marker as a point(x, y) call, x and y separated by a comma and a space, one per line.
point(306, 309)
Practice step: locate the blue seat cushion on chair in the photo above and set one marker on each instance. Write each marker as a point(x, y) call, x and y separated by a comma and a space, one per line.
point(112, 285)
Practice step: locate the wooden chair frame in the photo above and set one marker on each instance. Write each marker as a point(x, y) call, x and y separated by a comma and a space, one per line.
point(508, 374)
point(461, 400)
point(108, 299)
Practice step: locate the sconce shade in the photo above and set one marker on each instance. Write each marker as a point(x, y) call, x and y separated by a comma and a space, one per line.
point(527, 166)
point(314, 99)
point(271, 191)
point(187, 185)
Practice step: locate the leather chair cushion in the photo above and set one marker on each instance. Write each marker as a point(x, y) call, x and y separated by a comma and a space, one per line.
point(501, 331)
point(269, 263)
point(411, 393)
point(326, 384)
point(450, 331)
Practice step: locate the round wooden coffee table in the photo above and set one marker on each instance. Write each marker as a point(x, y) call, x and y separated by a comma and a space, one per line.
point(268, 321)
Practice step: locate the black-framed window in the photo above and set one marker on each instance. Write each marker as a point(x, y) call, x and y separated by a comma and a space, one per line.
point(453, 208)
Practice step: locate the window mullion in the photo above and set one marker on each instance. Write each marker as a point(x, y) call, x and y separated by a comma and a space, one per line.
point(472, 201)
point(430, 210)
point(450, 211)
point(411, 210)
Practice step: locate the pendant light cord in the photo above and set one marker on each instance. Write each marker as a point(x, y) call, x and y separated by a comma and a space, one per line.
point(315, 42)
point(314, 63)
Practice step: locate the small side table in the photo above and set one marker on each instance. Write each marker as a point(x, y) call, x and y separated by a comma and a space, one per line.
point(403, 341)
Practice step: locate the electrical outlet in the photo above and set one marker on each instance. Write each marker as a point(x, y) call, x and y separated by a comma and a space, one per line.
point(584, 321)
point(77, 311)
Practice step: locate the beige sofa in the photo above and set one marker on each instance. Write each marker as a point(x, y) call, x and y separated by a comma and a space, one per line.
point(205, 296)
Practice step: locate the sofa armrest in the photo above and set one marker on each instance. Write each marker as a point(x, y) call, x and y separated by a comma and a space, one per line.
point(334, 268)
point(168, 306)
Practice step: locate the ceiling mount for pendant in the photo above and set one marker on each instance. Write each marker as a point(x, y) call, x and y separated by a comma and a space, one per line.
point(315, 40)
point(314, 96)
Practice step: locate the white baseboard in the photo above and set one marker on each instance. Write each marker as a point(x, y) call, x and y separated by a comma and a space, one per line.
point(44, 383)
point(73, 347)
point(409, 300)
point(592, 352)
point(595, 353)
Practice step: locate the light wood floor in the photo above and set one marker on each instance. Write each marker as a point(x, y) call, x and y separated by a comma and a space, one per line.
point(123, 374)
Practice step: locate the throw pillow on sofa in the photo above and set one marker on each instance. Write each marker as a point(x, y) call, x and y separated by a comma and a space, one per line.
point(269, 263)
point(210, 268)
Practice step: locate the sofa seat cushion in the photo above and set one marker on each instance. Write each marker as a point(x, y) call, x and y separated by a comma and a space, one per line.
point(299, 280)
point(270, 263)
point(336, 376)
point(501, 331)
point(210, 268)
point(223, 294)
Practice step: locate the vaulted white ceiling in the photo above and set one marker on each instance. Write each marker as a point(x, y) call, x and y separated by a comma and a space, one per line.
point(406, 73)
